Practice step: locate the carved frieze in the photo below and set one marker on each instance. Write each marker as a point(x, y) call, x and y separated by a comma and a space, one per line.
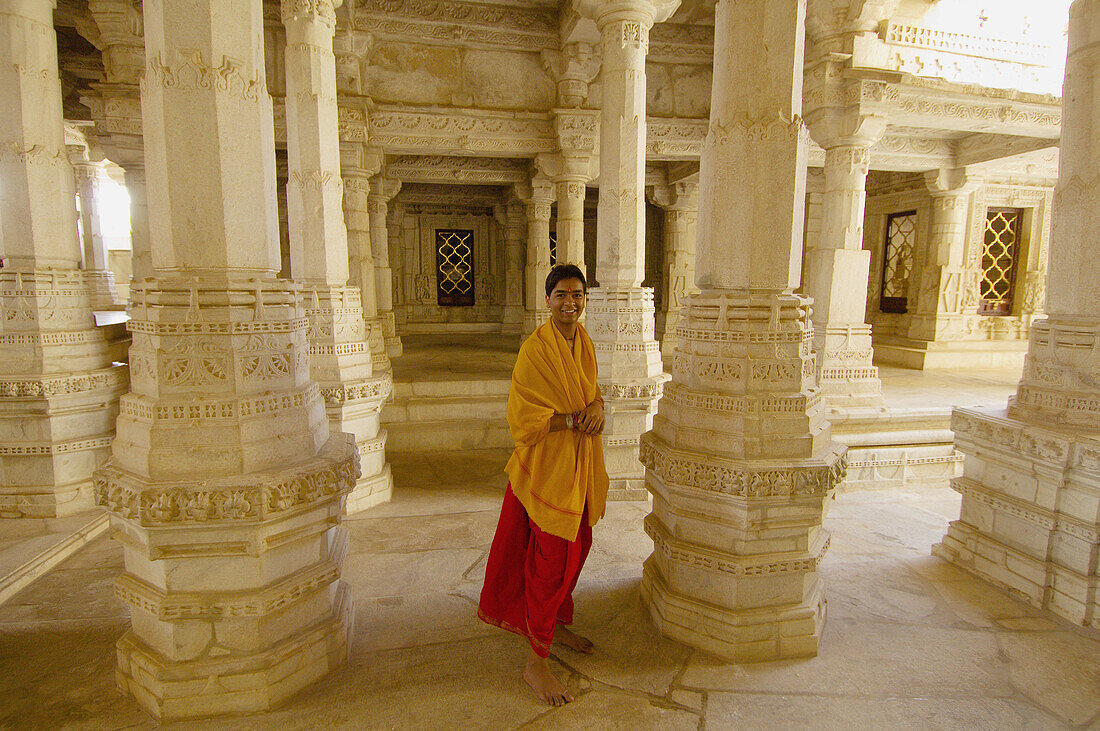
point(528, 28)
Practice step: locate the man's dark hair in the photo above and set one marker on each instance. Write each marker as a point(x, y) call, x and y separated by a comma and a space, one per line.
point(559, 272)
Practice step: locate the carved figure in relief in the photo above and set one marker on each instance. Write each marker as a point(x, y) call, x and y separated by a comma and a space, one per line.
point(557, 485)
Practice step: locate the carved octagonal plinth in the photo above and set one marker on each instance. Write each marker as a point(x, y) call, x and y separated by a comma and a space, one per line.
point(341, 363)
point(631, 380)
point(740, 462)
point(1030, 515)
point(58, 394)
point(737, 545)
point(233, 583)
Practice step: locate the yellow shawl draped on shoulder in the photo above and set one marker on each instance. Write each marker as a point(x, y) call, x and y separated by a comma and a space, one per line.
point(554, 474)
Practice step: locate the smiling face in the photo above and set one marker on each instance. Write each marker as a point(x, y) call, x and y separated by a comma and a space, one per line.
point(566, 302)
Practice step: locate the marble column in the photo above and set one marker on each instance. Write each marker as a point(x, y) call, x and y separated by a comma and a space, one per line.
point(571, 187)
point(539, 198)
point(740, 460)
point(382, 191)
point(225, 487)
point(357, 165)
point(1030, 516)
point(141, 253)
point(340, 358)
point(837, 269)
point(680, 202)
point(946, 296)
point(58, 388)
point(515, 230)
point(97, 271)
point(620, 310)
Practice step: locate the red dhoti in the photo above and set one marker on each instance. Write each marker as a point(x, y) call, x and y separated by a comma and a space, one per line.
point(530, 576)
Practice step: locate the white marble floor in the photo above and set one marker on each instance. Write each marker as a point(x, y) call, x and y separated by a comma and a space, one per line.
point(910, 642)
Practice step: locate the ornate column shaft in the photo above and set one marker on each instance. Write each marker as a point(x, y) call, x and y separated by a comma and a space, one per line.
point(837, 270)
point(1030, 516)
point(224, 485)
point(740, 459)
point(680, 202)
point(570, 221)
point(946, 300)
point(58, 390)
point(97, 272)
point(538, 252)
point(340, 358)
point(620, 310)
point(515, 228)
point(356, 179)
point(382, 191)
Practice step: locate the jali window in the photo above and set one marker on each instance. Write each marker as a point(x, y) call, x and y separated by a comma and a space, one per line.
point(454, 254)
point(553, 248)
point(897, 261)
point(1000, 256)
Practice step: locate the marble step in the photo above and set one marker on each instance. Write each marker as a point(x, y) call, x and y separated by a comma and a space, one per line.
point(447, 414)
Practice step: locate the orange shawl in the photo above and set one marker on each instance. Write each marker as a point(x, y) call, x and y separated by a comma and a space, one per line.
point(553, 474)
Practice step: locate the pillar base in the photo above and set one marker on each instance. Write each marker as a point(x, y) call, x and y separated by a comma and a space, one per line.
point(54, 431)
point(101, 290)
point(389, 335)
point(774, 633)
point(1030, 515)
point(238, 683)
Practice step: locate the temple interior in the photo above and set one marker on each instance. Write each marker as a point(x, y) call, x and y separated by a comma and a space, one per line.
point(265, 268)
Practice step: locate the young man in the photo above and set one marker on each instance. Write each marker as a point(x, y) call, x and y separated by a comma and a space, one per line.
point(557, 485)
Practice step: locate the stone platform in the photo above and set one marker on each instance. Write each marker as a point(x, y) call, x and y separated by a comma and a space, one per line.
point(910, 642)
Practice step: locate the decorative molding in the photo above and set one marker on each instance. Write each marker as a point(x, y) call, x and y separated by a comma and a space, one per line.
point(399, 130)
point(450, 169)
point(114, 378)
point(699, 557)
point(188, 70)
point(498, 26)
point(248, 499)
point(726, 477)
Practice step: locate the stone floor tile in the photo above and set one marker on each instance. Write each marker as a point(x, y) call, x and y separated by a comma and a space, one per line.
point(629, 654)
point(779, 712)
point(607, 710)
point(386, 623)
point(402, 574)
point(881, 590)
point(980, 604)
point(870, 659)
point(404, 534)
point(1056, 670)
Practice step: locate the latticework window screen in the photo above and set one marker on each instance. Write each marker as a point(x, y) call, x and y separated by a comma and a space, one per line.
point(455, 261)
point(897, 261)
point(1000, 258)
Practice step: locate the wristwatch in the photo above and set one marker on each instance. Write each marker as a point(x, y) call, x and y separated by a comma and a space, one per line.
point(568, 421)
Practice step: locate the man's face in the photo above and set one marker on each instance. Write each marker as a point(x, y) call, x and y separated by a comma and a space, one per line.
point(566, 301)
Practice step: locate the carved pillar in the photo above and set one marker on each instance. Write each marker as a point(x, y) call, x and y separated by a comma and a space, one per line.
point(224, 485)
point(141, 253)
point(680, 202)
point(357, 165)
point(97, 272)
point(947, 294)
point(58, 389)
point(837, 269)
point(382, 191)
point(538, 252)
point(340, 358)
point(740, 459)
point(620, 310)
point(515, 229)
point(571, 188)
point(1030, 516)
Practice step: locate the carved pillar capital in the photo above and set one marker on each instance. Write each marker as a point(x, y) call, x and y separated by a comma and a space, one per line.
point(845, 126)
point(646, 12)
point(122, 32)
point(947, 182)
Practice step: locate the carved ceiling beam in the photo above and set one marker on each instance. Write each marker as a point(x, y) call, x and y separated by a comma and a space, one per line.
point(984, 148)
point(467, 23)
point(451, 169)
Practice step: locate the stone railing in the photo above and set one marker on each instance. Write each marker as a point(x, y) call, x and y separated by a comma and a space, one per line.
point(968, 58)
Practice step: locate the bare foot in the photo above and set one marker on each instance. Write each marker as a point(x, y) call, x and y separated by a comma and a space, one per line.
point(573, 641)
point(542, 681)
